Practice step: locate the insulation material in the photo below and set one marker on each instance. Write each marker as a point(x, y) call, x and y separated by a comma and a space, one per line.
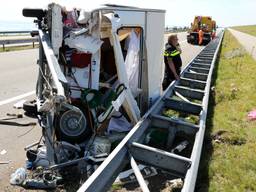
point(118, 124)
point(57, 30)
point(87, 44)
point(132, 62)
point(84, 17)
point(89, 76)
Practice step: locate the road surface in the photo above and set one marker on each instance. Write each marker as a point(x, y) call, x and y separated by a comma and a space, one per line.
point(248, 41)
point(18, 71)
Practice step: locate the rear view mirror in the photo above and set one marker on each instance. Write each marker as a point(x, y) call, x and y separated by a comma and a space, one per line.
point(38, 13)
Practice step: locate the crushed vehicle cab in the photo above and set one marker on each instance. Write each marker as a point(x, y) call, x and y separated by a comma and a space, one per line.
point(99, 71)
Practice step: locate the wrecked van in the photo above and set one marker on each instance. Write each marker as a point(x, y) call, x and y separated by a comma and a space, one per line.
point(99, 71)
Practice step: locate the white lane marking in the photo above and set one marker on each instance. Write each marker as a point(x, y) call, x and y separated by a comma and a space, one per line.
point(16, 98)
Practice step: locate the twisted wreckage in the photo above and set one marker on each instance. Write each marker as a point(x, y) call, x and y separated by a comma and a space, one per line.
point(99, 71)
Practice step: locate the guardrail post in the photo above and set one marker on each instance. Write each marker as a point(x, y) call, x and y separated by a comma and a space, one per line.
point(3, 47)
point(33, 44)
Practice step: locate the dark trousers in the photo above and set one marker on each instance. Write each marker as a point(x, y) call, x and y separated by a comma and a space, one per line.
point(166, 83)
point(169, 78)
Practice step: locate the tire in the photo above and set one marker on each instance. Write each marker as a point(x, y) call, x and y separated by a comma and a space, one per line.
point(69, 134)
point(39, 13)
point(30, 107)
point(188, 39)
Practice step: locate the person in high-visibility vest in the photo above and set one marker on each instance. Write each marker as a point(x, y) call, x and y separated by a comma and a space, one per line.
point(200, 36)
point(172, 61)
point(213, 33)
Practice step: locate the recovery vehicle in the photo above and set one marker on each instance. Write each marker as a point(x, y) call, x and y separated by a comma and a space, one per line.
point(206, 24)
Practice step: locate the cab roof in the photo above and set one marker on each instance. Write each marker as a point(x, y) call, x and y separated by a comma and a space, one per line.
point(126, 8)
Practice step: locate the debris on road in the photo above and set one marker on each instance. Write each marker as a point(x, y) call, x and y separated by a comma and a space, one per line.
point(42, 179)
point(3, 152)
point(6, 121)
point(18, 177)
point(19, 115)
point(4, 162)
point(173, 185)
point(128, 176)
point(30, 107)
point(13, 123)
point(37, 158)
point(19, 104)
point(180, 147)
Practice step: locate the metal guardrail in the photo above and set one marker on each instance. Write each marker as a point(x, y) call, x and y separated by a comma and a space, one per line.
point(14, 32)
point(194, 84)
point(18, 41)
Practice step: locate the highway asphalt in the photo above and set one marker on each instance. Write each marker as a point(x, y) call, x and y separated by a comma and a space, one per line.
point(18, 72)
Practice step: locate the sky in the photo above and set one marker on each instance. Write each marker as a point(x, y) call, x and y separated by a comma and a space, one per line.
point(178, 12)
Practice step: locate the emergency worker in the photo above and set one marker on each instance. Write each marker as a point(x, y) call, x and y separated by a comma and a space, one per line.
point(172, 61)
point(200, 36)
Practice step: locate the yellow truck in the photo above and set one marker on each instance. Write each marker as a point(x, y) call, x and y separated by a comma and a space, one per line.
point(207, 25)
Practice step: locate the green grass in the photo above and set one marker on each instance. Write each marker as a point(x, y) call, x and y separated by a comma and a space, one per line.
point(250, 29)
point(230, 163)
point(185, 117)
point(116, 187)
point(17, 48)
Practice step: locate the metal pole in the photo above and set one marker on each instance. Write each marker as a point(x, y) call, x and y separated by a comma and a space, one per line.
point(58, 77)
point(139, 176)
point(41, 70)
point(49, 139)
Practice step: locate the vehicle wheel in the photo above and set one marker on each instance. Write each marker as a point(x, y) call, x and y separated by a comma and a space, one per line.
point(188, 39)
point(30, 107)
point(72, 127)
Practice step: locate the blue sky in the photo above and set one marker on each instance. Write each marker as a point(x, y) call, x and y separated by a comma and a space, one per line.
point(178, 12)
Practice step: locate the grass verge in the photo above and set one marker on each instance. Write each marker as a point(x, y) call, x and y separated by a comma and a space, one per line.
point(250, 29)
point(228, 161)
point(18, 48)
